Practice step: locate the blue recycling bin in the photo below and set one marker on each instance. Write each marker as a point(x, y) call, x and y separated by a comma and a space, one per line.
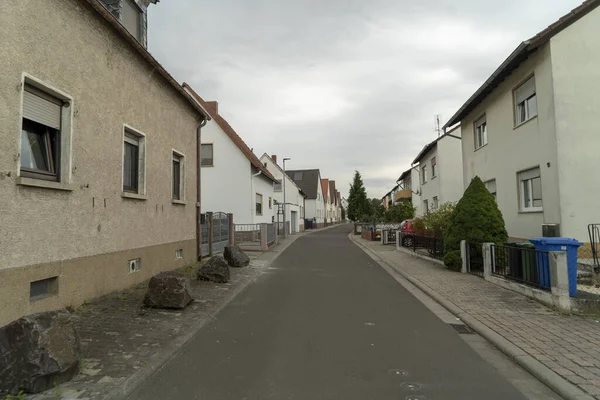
point(561, 244)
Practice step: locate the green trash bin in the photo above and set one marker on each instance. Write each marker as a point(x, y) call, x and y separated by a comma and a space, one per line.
point(528, 262)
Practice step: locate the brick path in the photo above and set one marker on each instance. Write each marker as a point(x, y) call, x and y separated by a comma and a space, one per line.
point(569, 345)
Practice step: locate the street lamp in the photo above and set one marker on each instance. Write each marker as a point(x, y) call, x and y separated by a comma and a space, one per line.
point(284, 203)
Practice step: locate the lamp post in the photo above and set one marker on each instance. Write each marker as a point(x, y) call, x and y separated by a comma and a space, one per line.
point(284, 203)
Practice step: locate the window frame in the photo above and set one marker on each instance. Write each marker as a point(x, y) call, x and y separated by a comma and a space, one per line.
point(212, 164)
point(257, 203)
point(181, 158)
point(270, 203)
point(522, 182)
point(436, 203)
point(494, 193)
point(140, 14)
point(278, 188)
point(61, 178)
point(433, 167)
point(130, 131)
point(525, 102)
point(423, 174)
point(481, 121)
point(426, 206)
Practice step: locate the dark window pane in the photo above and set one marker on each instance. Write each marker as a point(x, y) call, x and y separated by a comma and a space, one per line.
point(130, 167)
point(176, 180)
point(39, 146)
point(206, 154)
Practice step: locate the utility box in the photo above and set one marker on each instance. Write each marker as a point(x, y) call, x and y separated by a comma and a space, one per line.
point(551, 230)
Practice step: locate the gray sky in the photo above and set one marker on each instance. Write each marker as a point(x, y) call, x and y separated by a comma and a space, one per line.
point(341, 85)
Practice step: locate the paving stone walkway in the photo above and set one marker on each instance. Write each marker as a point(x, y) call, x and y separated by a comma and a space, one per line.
point(567, 344)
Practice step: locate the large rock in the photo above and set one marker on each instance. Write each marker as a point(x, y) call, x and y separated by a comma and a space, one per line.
point(236, 257)
point(37, 352)
point(215, 269)
point(168, 290)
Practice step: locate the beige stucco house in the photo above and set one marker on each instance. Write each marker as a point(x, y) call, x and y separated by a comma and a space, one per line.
point(530, 132)
point(97, 157)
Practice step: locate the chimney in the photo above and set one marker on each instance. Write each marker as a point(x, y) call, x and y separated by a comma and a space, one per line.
point(214, 105)
point(274, 158)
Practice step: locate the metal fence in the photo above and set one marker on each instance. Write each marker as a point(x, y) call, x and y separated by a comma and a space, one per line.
point(426, 245)
point(220, 231)
point(271, 233)
point(475, 259)
point(247, 234)
point(528, 266)
point(390, 237)
point(204, 229)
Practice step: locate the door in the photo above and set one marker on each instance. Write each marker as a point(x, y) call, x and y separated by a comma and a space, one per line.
point(294, 222)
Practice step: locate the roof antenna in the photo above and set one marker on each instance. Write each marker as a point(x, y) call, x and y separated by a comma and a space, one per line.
point(438, 129)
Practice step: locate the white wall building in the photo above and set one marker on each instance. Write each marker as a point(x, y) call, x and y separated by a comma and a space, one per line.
point(309, 180)
point(439, 173)
point(531, 131)
point(294, 197)
point(234, 180)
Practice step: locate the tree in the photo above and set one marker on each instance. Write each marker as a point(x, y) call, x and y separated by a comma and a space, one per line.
point(358, 204)
point(399, 212)
point(476, 218)
point(343, 214)
point(376, 211)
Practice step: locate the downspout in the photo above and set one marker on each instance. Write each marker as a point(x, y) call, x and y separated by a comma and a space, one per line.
point(252, 193)
point(198, 192)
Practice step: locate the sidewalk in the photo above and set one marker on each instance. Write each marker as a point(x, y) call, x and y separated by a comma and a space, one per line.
point(563, 351)
point(124, 342)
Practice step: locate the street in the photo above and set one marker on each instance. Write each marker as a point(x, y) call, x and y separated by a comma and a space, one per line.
point(326, 322)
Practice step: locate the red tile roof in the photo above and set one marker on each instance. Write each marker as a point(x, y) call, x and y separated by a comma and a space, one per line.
point(211, 108)
point(324, 186)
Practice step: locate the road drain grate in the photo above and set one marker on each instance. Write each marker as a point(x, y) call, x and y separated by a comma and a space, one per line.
point(462, 329)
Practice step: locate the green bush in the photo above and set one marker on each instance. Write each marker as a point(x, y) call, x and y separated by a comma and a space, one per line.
point(399, 212)
point(476, 218)
point(453, 260)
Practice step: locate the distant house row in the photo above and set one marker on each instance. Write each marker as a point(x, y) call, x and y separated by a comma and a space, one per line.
point(530, 132)
point(107, 164)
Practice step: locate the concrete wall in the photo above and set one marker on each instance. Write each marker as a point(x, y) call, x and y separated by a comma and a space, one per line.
point(512, 149)
point(86, 235)
point(450, 168)
point(576, 76)
point(226, 185)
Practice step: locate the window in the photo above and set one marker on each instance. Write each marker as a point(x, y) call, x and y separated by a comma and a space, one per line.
point(277, 185)
point(530, 190)
point(134, 145)
point(425, 207)
point(259, 199)
point(178, 176)
point(435, 203)
point(206, 155)
point(131, 18)
point(179, 254)
point(43, 288)
point(270, 203)
point(491, 187)
point(134, 265)
point(433, 168)
point(481, 132)
point(525, 102)
point(424, 174)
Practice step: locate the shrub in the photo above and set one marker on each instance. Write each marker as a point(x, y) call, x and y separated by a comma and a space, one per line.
point(453, 260)
point(476, 218)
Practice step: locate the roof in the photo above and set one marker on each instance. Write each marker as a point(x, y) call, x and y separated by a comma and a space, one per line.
point(324, 188)
point(137, 46)
point(210, 107)
point(332, 191)
point(520, 54)
point(277, 165)
point(404, 174)
point(309, 182)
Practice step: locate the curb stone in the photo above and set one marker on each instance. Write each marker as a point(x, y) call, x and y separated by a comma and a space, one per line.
point(544, 374)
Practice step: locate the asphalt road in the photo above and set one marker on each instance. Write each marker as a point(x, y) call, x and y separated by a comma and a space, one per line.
point(326, 322)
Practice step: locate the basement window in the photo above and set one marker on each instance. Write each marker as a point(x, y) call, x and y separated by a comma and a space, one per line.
point(43, 288)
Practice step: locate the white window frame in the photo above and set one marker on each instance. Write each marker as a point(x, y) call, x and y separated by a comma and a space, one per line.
point(262, 205)
point(213, 155)
point(436, 203)
point(524, 179)
point(140, 20)
point(64, 175)
point(488, 186)
point(181, 156)
point(141, 137)
point(481, 132)
point(526, 103)
point(278, 188)
point(425, 206)
point(424, 174)
point(433, 167)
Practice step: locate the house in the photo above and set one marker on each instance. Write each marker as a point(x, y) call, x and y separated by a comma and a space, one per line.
point(530, 132)
point(404, 192)
point(327, 205)
point(333, 202)
point(98, 162)
point(440, 172)
point(309, 180)
point(294, 196)
point(234, 180)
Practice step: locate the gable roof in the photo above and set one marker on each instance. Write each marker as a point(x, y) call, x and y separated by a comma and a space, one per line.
point(332, 192)
point(137, 46)
point(404, 174)
point(277, 165)
point(309, 182)
point(520, 54)
point(211, 108)
point(324, 188)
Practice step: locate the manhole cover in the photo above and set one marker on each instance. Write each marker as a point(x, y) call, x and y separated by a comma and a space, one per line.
point(411, 386)
point(462, 329)
point(400, 372)
point(415, 397)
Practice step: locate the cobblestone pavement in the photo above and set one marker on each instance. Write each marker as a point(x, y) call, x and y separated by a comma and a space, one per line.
point(567, 344)
point(119, 335)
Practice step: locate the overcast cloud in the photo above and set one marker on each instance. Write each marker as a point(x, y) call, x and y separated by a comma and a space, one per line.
point(341, 85)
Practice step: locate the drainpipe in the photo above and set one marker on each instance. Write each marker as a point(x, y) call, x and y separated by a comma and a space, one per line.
point(252, 192)
point(198, 192)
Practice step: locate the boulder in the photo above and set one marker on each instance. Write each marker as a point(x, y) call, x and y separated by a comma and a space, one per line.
point(215, 269)
point(37, 352)
point(236, 257)
point(168, 290)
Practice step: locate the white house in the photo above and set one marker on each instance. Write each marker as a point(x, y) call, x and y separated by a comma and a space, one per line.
point(294, 196)
point(309, 180)
point(234, 180)
point(531, 130)
point(439, 172)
